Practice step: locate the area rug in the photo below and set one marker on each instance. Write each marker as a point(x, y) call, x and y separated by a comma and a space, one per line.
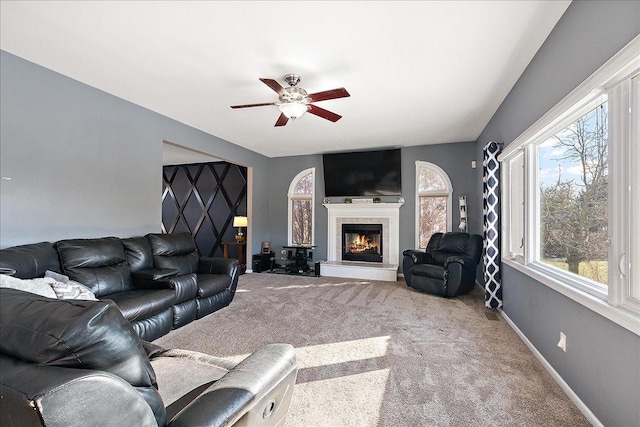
point(375, 353)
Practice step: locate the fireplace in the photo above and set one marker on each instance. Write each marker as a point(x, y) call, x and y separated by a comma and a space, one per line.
point(387, 214)
point(362, 242)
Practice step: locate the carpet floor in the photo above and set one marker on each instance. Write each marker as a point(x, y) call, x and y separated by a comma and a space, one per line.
point(374, 353)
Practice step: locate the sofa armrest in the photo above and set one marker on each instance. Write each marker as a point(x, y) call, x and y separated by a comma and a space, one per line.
point(217, 265)
point(460, 270)
point(418, 257)
point(152, 278)
point(45, 392)
point(464, 261)
point(186, 286)
point(154, 273)
point(256, 392)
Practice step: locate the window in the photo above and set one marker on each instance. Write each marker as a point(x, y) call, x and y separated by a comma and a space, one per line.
point(514, 228)
point(301, 208)
point(433, 202)
point(571, 193)
point(634, 206)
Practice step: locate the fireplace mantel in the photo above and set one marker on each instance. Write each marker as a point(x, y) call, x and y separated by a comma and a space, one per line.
point(387, 214)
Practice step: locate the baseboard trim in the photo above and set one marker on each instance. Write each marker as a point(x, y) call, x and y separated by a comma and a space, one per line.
point(554, 374)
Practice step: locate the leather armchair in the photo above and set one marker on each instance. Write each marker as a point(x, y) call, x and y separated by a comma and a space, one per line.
point(80, 363)
point(448, 265)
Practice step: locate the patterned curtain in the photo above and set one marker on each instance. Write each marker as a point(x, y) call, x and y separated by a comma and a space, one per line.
point(491, 228)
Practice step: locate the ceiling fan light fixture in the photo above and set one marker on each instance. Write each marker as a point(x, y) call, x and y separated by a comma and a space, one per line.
point(293, 110)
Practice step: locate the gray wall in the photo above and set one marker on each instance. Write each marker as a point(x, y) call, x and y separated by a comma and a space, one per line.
point(454, 158)
point(283, 170)
point(84, 163)
point(602, 363)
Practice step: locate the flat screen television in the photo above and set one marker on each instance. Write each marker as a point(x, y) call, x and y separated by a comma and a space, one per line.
point(366, 173)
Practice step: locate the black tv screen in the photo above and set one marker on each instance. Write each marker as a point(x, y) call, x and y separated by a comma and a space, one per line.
point(367, 173)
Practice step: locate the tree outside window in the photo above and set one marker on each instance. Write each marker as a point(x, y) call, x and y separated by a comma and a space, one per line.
point(573, 180)
point(433, 202)
point(301, 208)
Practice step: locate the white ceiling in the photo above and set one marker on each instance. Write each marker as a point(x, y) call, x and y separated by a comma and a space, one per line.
point(418, 72)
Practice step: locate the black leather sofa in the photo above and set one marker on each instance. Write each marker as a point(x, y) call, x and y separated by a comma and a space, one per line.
point(448, 265)
point(158, 281)
point(66, 363)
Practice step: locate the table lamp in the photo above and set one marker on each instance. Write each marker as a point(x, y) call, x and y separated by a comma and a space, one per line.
point(240, 221)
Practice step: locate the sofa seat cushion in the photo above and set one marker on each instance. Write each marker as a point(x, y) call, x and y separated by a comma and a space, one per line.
point(140, 304)
point(431, 271)
point(211, 284)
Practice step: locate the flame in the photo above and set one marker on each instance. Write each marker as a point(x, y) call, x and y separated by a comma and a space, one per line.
point(361, 243)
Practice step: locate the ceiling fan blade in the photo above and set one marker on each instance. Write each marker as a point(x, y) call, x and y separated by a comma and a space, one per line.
point(325, 114)
point(282, 120)
point(273, 85)
point(329, 94)
point(253, 105)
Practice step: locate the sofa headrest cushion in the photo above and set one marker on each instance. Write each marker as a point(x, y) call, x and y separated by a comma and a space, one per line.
point(31, 260)
point(172, 244)
point(455, 243)
point(100, 264)
point(138, 252)
point(91, 253)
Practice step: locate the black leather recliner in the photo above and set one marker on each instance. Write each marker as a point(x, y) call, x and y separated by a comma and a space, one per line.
point(217, 278)
point(67, 363)
point(448, 265)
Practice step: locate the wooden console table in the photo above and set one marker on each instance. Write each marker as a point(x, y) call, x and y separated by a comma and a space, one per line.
point(239, 253)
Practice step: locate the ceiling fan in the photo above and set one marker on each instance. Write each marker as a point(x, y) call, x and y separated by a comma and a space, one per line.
point(294, 101)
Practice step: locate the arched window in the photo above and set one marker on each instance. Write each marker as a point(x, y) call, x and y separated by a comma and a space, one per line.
point(301, 208)
point(433, 202)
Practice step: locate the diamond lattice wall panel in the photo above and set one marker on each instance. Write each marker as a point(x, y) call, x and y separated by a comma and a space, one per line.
point(203, 199)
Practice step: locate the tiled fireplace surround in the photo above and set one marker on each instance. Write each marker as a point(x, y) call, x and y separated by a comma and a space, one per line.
point(387, 214)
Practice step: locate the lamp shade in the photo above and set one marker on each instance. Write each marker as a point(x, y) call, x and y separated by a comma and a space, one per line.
point(239, 221)
point(293, 110)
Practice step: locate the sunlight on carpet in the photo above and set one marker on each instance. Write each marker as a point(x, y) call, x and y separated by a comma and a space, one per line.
point(319, 285)
point(343, 397)
point(334, 353)
point(341, 352)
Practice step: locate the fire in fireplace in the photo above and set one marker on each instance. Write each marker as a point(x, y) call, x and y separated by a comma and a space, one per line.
point(362, 242)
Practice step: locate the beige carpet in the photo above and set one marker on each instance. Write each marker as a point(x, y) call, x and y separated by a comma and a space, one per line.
point(381, 354)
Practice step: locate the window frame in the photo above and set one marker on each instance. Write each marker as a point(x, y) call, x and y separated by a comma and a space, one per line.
point(612, 83)
point(291, 196)
point(432, 193)
point(508, 185)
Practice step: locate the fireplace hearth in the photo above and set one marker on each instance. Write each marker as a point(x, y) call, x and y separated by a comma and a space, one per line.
point(362, 242)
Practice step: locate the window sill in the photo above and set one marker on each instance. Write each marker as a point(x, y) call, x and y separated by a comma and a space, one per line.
point(624, 317)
